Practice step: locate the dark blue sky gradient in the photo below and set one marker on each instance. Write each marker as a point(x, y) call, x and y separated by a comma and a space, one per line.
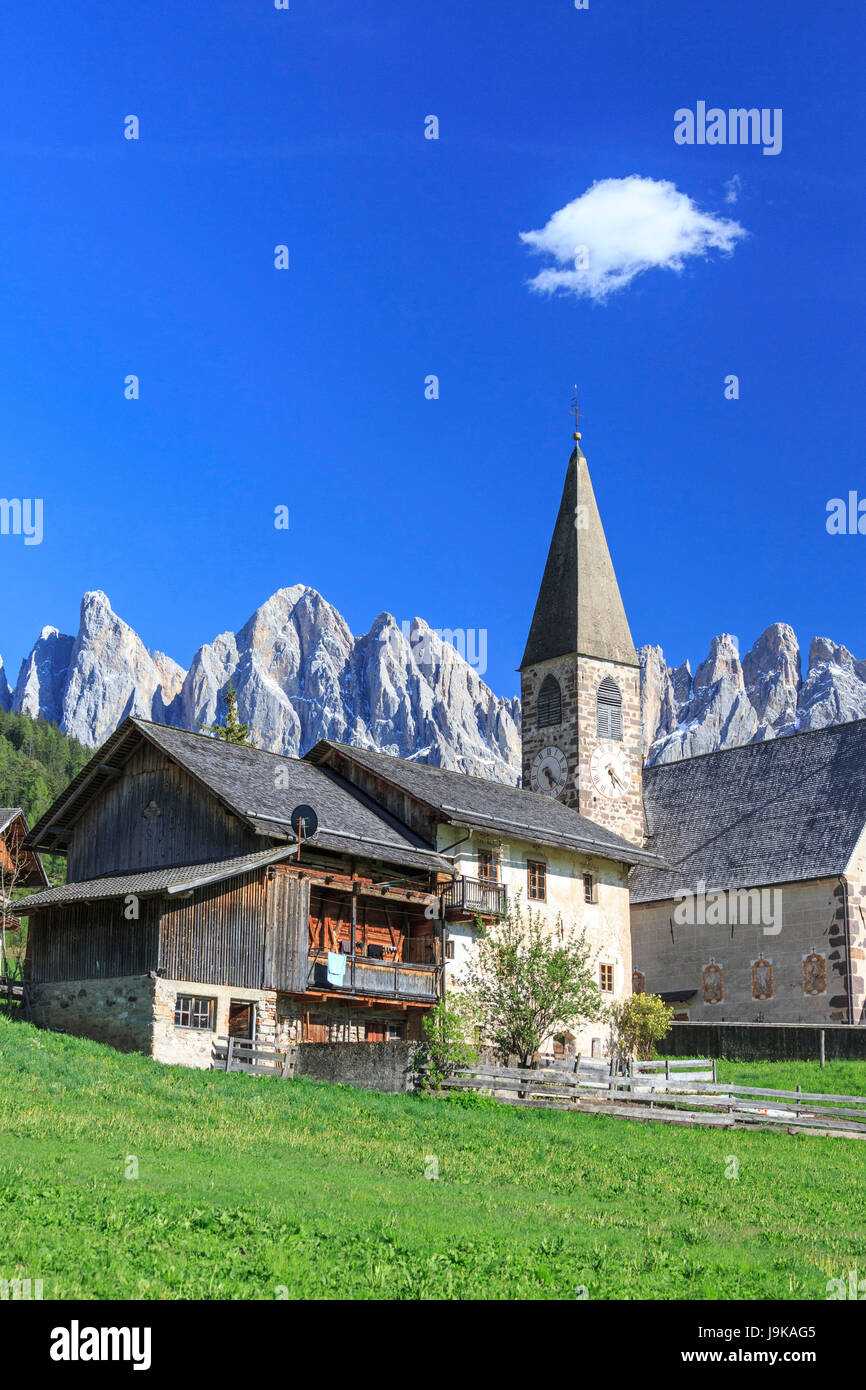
point(306, 387)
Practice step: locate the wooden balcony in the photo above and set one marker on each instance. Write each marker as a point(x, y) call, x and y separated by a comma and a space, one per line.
point(475, 897)
point(378, 979)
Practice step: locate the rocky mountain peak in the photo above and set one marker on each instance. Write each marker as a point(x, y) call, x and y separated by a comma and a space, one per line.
point(302, 675)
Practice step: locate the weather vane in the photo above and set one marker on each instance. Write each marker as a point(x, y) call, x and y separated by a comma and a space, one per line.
point(578, 416)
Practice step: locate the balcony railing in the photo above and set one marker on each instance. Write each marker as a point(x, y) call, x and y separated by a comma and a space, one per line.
point(380, 978)
point(473, 896)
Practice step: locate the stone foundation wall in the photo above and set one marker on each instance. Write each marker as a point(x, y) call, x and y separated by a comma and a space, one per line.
point(193, 1047)
point(117, 1011)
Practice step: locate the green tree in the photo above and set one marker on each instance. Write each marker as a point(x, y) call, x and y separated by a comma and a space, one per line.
point(231, 730)
point(523, 980)
point(444, 1051)
point(638, 1024)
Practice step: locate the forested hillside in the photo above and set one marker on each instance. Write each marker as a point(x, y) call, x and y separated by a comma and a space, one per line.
point(36, 762)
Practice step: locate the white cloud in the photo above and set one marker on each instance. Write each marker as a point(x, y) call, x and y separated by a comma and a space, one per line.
point(732, 189)
point(621, 227)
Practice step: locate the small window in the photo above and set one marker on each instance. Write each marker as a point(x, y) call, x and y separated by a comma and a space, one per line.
point(588, 888)
point(394, 1032)
point(190, 1012)
point(609, 710)
point(536, 880)
point(449, 950)
point(605, 978)
point(488, 869)
point(549, 706)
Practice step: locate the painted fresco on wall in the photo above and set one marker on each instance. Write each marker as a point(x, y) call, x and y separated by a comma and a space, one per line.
point(712, 984)
point(814, 974)
point(762, 979)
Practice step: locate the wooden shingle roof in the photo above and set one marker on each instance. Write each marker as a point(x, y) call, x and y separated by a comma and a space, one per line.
point(782, 811)
point(459, 799)
point(147, 882)
point(261, 789)
point(579, 607)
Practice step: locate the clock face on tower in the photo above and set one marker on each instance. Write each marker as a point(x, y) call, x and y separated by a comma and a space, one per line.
point(610, 772)
point(549, 771)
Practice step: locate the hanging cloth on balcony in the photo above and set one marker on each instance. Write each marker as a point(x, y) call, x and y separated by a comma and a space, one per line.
point(336, 967)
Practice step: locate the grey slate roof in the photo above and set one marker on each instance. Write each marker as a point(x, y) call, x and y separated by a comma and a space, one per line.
point(150, 881)
point(579, 607)
point(781, 811)
point(262, 789)
point(473, 801)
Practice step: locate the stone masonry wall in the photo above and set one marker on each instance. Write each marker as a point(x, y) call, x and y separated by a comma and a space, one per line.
point(117, 1011)
point(577, 737)
point(373, 1066)
point(193, 1047)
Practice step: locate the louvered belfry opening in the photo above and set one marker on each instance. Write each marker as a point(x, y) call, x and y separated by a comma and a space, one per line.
point(609, 710)
point(549, 706)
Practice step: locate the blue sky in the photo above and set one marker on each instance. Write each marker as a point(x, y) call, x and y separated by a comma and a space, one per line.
point(305, 387)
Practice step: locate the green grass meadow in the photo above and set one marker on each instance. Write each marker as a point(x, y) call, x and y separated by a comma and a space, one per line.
point(253, 1188)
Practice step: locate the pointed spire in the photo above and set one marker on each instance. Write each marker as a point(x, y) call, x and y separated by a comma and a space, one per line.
point(579, 608)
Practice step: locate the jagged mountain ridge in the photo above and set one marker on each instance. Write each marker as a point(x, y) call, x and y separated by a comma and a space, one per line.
point(730, 701)
point(301, 675)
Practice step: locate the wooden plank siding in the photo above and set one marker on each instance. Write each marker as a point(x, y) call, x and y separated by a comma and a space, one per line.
point(92, 941)
point(217, 937)
point(114, 835)
point(287, 932)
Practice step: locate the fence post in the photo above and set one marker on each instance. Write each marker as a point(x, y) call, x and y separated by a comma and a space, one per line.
point(823, 1050)
point(667, 1069)
point(229, 1051)
point(715, 1076)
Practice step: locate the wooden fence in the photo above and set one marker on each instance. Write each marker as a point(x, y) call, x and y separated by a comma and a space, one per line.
point(258, 1059)
point(682, 1091)
point(14, 991)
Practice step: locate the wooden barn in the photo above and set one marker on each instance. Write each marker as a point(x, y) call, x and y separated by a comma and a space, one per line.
point(191, 910)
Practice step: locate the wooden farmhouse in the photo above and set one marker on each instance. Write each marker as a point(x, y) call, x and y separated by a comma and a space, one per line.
point(20, 866)
point(193, 910)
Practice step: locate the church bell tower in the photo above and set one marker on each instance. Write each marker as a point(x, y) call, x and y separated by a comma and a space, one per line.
point(580, 675)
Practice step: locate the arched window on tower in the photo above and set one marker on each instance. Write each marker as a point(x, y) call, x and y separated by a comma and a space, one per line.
point(549, 707)
point(609, 710)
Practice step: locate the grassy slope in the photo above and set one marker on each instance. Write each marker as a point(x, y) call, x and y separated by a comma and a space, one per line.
point(247, 1184)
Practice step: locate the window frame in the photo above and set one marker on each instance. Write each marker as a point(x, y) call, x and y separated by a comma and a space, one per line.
point(590, 895)
point(603, 968)
point(192, 1011)
point(536, 869)
point(493, 864)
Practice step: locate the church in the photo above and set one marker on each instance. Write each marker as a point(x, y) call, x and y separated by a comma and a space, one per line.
point(758, 912)
point(217, 890)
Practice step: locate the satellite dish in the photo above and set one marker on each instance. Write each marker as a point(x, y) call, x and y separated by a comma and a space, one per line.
point(304, 822)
